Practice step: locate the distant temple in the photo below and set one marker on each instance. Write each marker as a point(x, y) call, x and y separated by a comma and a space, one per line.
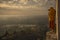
point(52, 16)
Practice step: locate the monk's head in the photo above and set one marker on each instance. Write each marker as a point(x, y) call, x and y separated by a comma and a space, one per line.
point(50, 8)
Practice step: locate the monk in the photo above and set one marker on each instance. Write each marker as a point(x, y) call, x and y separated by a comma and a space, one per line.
point(52, 14)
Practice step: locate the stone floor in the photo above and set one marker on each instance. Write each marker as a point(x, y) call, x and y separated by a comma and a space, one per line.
point(51, 36)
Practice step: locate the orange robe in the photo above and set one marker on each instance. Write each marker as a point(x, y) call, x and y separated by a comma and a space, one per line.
point(52, 18)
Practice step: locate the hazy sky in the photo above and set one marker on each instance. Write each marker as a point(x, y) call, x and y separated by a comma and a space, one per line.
point(25, 7)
